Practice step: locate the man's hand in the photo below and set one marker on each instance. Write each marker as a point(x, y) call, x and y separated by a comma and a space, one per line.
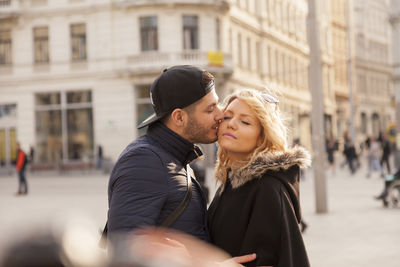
point(237, 261)
point(245, 258)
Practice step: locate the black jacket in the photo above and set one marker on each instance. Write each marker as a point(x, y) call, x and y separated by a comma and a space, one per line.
point(258, 211)
point(149, 181)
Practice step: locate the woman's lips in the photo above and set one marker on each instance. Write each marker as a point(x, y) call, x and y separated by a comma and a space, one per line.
point(229, 135)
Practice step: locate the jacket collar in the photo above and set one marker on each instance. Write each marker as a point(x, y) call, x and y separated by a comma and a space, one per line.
point(271, 161)
point(170, 141)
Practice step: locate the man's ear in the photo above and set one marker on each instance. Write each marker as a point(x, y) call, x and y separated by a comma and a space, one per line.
point(178, 117)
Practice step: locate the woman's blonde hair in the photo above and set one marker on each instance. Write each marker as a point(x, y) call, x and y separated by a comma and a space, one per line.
point(273, 129)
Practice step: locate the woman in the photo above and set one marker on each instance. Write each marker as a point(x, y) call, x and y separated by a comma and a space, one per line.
point(257, 208)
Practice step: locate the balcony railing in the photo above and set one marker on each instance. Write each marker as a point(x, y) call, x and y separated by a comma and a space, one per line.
point(129, 3)
point(9, 8)
point(154, 61)
point(5, 3)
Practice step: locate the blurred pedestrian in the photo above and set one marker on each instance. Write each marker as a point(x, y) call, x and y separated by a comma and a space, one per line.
point(385, 159)
point(373, 155)
point(296, 142)
point(31, 155)
point(389, 180)
point(199, 170)
point(99, 157)
point(350, 154)
point(331, 147)
point(22, 161)
point(257, 207)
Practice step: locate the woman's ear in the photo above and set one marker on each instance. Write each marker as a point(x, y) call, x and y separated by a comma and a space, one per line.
point(260, 139)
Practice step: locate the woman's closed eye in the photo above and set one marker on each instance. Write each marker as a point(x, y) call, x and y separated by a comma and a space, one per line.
point(227, 117)
point(245, 122)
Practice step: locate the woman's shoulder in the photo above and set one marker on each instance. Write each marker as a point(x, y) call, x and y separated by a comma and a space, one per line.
point(267, 184)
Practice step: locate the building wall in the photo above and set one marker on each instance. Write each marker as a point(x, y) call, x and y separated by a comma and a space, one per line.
point(264, 45)
point(373, 42)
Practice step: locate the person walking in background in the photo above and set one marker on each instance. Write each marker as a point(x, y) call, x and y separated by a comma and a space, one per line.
point(373, 156)
point(199, 169)
point(385, 159)
point(31, 155)
point(257, 208)
point(22, 161)
point(349, 152)
point(99, 157)
point(388, 181)
point(331, 147)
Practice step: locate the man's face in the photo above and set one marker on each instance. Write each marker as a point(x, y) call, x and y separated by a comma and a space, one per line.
point(202, 125)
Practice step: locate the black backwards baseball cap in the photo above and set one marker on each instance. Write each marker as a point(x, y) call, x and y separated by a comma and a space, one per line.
point(177, 87)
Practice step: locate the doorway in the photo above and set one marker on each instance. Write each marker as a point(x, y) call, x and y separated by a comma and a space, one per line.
point(8, 135)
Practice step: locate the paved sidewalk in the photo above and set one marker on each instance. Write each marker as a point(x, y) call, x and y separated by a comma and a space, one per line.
point(356, 232)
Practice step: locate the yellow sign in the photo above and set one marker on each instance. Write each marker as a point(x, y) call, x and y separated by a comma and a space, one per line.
point(215, 58)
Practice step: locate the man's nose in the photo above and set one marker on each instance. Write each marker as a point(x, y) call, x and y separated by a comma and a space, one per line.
point(219, 115)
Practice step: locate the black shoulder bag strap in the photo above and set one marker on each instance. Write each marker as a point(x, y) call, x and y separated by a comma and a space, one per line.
point(178, 211)
point(171, 218)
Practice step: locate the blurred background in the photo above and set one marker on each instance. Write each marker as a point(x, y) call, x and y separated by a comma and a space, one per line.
point(75, 77)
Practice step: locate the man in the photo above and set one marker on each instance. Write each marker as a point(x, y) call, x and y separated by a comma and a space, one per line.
point(149, 180)
point(21, 164)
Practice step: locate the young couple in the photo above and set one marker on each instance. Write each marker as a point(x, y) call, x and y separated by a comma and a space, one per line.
point(256, 209)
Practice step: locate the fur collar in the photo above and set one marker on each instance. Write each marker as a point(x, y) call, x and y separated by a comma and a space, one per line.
point(271, 161)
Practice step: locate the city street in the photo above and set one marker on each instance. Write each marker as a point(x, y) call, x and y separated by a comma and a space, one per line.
point(356, 232)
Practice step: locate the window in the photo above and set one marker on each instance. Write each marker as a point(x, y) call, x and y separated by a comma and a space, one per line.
point(5, 2)
point(190, 32)
point(240, 59)
point(249, 63)
point(148, 33)
point(276, 66)
point(259, 58)
point(41, 44)
point(5, 47)
point(64, 126)
point(269, 61)
point(218, 33)
point(230, 41)
point(296, 72)
point(362, 83)
point(143, 105)
point(78, 41)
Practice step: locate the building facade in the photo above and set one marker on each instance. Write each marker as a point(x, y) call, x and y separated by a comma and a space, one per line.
point(395, 22)
point(373, 64)
point(75, 74)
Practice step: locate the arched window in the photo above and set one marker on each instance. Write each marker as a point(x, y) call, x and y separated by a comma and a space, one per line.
point(363, 123)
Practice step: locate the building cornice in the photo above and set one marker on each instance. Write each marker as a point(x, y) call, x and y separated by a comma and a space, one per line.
point(373, 66)
point(56, 78)
point(282, 39)
point(221, 5)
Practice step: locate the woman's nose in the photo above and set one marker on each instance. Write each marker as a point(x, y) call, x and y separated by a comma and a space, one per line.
point(232, 123)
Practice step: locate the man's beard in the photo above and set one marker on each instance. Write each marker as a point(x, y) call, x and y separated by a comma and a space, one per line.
point(197, 133)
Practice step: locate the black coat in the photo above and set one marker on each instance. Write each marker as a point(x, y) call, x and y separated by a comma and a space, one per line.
point(258, 211)
point(149, 181)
